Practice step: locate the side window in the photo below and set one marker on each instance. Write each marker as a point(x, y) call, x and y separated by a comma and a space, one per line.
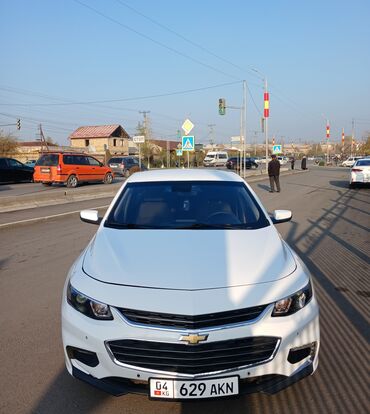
point(14, 163)
point(68, 159)
point(3, 163)
point(93, 161)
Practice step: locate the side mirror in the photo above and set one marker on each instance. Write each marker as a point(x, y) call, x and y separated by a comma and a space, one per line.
point(281, 216)
point(90, 216)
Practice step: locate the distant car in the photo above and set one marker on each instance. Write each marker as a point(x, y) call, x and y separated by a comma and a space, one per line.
point(125, 165)
point(360, 172)
point(12, 170)
point(70, 168)
point(233, 163)
point(215, 159)
point(30, 163)
point(283, 160)
point(349, 162)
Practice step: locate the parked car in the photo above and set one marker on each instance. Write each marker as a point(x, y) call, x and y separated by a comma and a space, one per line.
point(12, 170)
point(210, 329)
point(349, 162)
point(360, 172)
point(70, 169)
point(215, 159)
point(233, 163)
point(283, 160)
point(125, 165)
point(30, 163)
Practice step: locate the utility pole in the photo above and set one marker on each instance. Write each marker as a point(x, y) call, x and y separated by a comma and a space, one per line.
point(42, 139)
point(211, 133)
point(352, 135)
point(146, 133)
point(244, 111)
point(265, 116)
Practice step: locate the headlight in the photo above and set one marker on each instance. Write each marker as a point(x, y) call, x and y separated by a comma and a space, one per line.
point(89, 307)
point(294, 303)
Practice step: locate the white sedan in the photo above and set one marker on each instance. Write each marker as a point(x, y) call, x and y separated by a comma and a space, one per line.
point(360, 172)
point(188, 291)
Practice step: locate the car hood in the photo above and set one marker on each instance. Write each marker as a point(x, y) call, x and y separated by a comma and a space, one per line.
point(188, 259)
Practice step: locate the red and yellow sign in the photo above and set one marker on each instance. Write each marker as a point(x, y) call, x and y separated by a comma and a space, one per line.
point(343, 136)
point(266, 110)
point(327, 131)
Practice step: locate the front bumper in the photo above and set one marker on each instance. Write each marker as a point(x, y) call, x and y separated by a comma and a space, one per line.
point(295, 331)
point(269, 384)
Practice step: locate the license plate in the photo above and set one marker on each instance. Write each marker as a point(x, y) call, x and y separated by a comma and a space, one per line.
point(45, 170)
point(193, 389)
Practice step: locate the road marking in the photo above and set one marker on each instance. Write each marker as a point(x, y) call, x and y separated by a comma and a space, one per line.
point(35, 219)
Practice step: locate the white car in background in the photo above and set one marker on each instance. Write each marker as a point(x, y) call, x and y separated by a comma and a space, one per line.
point(349, 162)
point(215, 159)
point(360, 172)
point(188, 291)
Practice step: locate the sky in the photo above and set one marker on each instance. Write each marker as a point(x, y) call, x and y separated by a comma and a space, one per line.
point(70, 63)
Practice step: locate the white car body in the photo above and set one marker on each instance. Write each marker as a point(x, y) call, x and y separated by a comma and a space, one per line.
point(215, 159)
point(360, 172)
point(188, 272)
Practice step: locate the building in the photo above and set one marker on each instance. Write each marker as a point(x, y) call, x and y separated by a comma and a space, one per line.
point(100, 138)
point(30, 150)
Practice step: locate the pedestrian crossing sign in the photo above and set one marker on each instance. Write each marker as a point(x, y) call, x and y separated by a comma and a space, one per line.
point(276, 149)
point(179, 152)
point(188, 143)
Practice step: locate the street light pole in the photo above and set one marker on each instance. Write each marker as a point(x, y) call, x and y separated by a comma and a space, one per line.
point(244, 123)
point(266, 132)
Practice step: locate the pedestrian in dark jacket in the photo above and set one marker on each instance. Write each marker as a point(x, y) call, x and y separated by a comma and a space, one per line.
point(304, 163)
point(274, 173)
point(292, 161)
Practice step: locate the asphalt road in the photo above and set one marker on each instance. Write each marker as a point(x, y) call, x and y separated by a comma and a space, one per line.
point(330, 230)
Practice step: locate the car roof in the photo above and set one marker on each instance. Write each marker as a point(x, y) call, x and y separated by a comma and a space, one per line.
point(184, 175)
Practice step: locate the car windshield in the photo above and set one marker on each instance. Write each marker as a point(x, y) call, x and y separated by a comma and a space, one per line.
point(363, 163)
point(186, 205)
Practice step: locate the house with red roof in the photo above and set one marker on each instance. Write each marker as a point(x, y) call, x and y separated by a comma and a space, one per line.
point(99, 138)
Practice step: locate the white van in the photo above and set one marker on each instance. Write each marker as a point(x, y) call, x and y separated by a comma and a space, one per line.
point(215, 159)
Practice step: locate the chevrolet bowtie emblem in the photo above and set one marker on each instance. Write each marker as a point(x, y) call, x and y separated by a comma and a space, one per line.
point(193, 338)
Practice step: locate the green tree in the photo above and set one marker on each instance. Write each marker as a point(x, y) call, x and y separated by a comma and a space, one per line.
point(8, 144)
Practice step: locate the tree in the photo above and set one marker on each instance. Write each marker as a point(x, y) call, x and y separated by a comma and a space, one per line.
point(365, 148)
point(8, 144)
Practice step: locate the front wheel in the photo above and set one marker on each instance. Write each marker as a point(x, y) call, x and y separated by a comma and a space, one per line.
point(108, 179)
point(72, 181)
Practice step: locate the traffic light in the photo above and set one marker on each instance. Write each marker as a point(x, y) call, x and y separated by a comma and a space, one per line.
point(18, 124)
point(221, 106)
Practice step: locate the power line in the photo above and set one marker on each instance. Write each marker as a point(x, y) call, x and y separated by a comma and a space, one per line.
point(191, 42)
point(127, 99)
point(153, 40)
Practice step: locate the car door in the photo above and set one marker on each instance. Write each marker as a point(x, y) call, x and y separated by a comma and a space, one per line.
point(17, 170)
point(97, 171)
point(4, 171)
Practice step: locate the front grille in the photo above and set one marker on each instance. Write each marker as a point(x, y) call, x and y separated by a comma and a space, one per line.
point(194, 359)
point(192, 322)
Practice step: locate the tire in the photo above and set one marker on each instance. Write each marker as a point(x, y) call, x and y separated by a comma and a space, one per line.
point(352, 185)
point(72, 181)
point(108, 179)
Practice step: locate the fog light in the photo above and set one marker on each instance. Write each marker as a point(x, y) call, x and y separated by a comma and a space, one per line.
point(298, 354)
point(86, 357)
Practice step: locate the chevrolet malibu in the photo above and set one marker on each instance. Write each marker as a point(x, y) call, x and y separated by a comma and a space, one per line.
point(187, 291)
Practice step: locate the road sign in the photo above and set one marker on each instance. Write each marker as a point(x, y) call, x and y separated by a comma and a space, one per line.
point(276, 149)
point(187, 126)
point(188, 143)
point(139, 139)
point(179, 152)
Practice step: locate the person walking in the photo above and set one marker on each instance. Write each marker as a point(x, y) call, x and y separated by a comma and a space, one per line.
point(274, 173)
point(292, 161)
point(304, 163)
